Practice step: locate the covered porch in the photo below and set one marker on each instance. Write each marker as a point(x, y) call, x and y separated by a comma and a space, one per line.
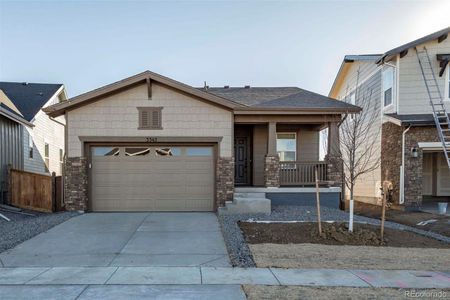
point(273, 151)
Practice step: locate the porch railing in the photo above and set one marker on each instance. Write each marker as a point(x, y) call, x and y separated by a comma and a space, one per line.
point(299, 173)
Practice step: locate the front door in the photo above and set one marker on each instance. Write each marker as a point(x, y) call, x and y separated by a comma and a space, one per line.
point(242, 163)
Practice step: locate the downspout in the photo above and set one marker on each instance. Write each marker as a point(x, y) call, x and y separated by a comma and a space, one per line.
point(56, 121)
point(402, 168)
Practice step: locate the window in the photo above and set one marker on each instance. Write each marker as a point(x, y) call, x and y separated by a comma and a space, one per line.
point(150, 118)
point(198, 151)
point(447, 84)
point(61, 159)
point(31, 146)
point(287, 146)
point(105, 151)
point(388, 86)
point(137, 151)
point(61, 97)
point(352, 98)
point(47, 156)
point(168, 151)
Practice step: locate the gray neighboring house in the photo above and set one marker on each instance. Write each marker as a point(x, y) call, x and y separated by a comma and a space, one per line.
point(150, 143)
point(29, 139)
point(409, 139)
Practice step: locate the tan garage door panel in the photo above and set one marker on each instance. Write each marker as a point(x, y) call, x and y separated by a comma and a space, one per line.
point(152, 179)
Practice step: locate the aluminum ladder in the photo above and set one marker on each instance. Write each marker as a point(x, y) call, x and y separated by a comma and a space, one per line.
point(440, 112)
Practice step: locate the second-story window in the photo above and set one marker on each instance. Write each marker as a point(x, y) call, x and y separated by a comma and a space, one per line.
point(31, 146)
point(47, 157)
point(353, 98)
point(447, 82)
point(388, 86)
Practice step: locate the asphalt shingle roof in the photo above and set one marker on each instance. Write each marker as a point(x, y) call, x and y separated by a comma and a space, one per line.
point(253, 95)
point(29, 98)
point(277, 97)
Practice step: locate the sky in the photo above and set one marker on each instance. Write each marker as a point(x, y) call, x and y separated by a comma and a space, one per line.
point(87, 44)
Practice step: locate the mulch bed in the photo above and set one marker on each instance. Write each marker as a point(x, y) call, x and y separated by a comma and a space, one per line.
point(333, 234)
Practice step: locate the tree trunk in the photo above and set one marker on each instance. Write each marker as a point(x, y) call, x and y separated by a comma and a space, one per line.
point(350, 221)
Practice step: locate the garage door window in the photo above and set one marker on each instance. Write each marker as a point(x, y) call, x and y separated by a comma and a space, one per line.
point(105, 151)
point(168, 151)
point(137, 151)
point(198, 151)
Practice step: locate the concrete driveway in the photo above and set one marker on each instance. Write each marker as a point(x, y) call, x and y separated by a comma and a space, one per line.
point(125, 239)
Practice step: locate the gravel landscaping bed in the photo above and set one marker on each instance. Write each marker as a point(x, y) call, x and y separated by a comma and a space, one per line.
point(240, 253)
point(23, 227)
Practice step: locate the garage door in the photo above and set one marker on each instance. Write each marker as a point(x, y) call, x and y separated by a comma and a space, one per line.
point(152, 178)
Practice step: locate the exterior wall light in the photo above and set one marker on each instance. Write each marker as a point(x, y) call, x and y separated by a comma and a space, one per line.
point(414, 152)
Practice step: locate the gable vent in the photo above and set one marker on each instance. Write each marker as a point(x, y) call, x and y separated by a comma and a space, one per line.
point(150, 117)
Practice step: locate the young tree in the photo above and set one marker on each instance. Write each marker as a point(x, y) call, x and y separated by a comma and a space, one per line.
point(359, 136)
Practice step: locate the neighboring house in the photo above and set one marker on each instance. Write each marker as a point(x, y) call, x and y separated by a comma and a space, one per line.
point(30, 140)
point(151, 143)
point(405, 119)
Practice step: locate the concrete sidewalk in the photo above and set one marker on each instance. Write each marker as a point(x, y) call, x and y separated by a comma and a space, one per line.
point(221, 276)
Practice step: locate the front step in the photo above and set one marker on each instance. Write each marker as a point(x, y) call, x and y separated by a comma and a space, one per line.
point(249, 195)
point(244, 203)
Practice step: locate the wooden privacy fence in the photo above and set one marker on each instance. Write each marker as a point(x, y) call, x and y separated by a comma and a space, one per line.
point(35, 191)
point(298, 173)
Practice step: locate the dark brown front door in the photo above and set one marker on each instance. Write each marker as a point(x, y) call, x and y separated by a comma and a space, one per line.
point(242, 163)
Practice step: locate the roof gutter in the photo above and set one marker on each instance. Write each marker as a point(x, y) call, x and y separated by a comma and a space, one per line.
point(293, 110)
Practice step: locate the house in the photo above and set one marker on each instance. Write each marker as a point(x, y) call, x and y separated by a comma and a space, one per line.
point(408, 137)
point(30, 140)
point(151, 143)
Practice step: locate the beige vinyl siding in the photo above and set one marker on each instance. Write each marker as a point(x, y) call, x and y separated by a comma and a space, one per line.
point(413, 97)
point(182, 115)
point(367, 186)
point(259, 153)
point(366, 69)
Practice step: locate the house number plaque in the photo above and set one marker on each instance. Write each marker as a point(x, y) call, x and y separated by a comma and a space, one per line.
point(151, 139)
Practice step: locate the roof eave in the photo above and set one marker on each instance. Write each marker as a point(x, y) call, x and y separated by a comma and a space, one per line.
point(83, 99)
point(439, 35)
point(15, 117)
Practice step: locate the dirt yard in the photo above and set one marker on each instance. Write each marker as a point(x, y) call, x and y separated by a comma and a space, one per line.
point(334, 234)
point(297, 245)
point(441, 225)
point(261, 292)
